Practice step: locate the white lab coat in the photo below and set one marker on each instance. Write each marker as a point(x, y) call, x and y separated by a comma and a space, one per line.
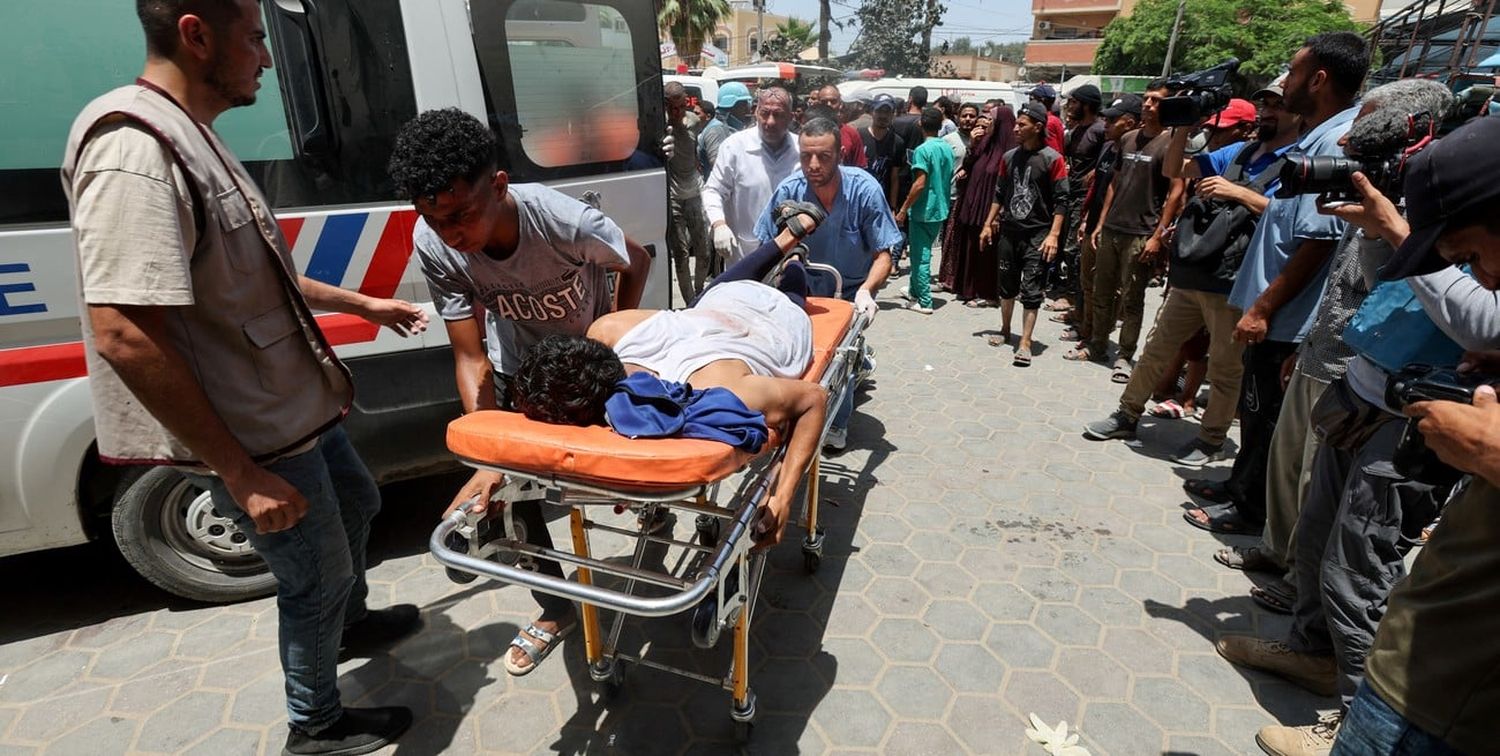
point(741, 183)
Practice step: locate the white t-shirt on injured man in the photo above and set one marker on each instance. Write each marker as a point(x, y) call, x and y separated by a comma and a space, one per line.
point(553, 284)
point(738, 320)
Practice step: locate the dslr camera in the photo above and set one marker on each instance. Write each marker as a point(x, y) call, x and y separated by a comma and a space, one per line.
point(1423, 383)
point(1329, 175)
point(1197, 95)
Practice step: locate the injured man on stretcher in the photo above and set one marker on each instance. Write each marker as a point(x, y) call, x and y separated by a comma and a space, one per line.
point(738, 353)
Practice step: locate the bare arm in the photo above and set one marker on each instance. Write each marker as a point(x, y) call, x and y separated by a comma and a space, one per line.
point(1175, 165)
point(801, 407)
point(1169, 211)
point(633, 278)
point(399, 315)
point(471, 365)
point(918, 185)
point(880, 270)
point(134, 341)
point(1295, 277)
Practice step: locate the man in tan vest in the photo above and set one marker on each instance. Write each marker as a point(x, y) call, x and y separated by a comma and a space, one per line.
point(203, 351)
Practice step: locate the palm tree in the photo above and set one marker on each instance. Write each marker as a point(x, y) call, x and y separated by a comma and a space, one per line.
point(798, 31)
point(689, 22)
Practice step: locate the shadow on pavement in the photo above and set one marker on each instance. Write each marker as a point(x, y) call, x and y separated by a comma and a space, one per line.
point(1216, 618)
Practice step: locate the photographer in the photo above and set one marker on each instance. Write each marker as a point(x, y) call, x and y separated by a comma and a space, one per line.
point(1201, 276)
point(1382, 130)
point(1365, 508)
point(1433, 674)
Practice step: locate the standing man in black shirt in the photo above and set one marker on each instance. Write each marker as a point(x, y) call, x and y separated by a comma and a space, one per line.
point(885, 150)
point(1033, 183)
point(1081, 148)
point(908, 126)
point(1121, 117)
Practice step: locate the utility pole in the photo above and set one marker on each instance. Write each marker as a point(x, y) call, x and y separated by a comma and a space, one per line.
point(824, 17)
point(1166, 65)
point(760, 28)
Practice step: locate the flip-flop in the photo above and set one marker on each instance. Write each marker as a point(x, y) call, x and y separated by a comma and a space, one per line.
point(1055, 307)
point(535, 656)
point(1021, 359)
point(1228, 522)
point(1079, 353)
point(1248, 559)
point(1000, 339)
point(1071, 334)
point(1216, 491)
point(1168, 409)
point(1063, 317)
point(1121, 372)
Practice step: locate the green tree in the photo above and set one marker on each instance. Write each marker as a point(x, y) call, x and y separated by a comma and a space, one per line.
point(1014, 52)
point(789, 40)
point(1263, 34)
point(896, 35)
point(689, 23)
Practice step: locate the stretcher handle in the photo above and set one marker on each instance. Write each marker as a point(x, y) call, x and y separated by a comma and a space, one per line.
point(591, 594)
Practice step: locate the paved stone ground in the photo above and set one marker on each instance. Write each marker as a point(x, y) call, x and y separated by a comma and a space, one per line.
point(984, 561)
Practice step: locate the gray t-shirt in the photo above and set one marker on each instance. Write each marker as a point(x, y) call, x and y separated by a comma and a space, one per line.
point(553, 283)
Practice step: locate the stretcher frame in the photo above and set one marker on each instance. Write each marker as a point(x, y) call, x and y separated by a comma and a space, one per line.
point(722, 538)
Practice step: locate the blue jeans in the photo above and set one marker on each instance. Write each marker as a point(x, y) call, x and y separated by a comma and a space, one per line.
point(1373, 728)
point(319, 566)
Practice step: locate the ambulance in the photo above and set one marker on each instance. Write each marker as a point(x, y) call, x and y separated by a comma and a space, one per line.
point(573, 89)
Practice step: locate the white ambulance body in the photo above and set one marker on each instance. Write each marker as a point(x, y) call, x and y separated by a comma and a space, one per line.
point(573, 87)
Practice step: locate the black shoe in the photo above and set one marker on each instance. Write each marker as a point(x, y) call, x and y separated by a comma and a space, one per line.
point(357, 731)
point(380, 628)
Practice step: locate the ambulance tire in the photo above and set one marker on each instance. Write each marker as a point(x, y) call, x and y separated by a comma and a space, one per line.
point(168, 530)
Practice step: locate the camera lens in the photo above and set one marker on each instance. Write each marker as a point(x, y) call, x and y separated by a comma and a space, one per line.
point(1318, 174)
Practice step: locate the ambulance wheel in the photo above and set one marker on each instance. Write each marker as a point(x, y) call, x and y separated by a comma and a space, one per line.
point(169, 531)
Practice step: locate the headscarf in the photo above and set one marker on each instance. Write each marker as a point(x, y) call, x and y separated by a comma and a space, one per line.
point(983, 165)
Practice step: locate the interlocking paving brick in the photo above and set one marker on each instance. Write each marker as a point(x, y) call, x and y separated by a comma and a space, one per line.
point(983, 562)
point(1042, 693)
point(97, 737)
point(1020, 646)
point(1125, 729)
point(852, 718)
point(1170, 704)
point(182, 722)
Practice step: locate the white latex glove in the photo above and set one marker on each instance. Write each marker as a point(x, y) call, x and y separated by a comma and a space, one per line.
point(668, 145)
point(864, 304)
point(724, 242)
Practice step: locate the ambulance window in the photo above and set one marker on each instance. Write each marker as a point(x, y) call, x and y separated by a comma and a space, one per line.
point(71, 52)
point(572, 74)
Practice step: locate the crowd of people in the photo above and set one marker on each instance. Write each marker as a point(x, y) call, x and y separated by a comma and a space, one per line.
point(1353, 333)
point(1302, 307)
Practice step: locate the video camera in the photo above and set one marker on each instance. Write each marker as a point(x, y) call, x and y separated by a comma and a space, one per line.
point(1197, 95)
point(1329, 175)
point(1423, 383)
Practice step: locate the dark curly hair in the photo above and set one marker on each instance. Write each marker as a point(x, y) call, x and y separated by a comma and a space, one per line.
point(439, 147)
point(565, 380)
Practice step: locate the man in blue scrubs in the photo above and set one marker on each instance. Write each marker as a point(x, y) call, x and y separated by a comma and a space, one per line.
point(856, 238)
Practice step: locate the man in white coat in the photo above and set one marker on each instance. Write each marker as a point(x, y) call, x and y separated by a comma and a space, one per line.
point(750, 165)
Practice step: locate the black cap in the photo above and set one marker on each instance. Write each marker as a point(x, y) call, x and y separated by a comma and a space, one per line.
point(1449, 180)
point(1125, 104)
point(1087, 93)
point(1035, 111)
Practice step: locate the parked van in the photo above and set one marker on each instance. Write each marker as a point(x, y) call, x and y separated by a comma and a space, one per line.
point(562, 81)
point(961, 90)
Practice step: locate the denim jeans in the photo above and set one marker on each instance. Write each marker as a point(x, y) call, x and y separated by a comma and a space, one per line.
point(319, 566)
point(1373, 728)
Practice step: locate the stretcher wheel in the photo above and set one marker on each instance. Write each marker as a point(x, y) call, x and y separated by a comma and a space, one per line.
point(608, 679)
point(706, 625)
point(744, 718)
point(708, 528)
point(812, 551)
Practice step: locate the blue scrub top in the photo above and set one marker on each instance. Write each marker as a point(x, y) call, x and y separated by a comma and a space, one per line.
point(859, 225)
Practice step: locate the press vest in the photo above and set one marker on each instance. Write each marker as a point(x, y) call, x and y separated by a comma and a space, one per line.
point(249, 338)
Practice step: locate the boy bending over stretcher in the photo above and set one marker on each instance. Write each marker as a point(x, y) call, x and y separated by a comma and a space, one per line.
point(740, 335)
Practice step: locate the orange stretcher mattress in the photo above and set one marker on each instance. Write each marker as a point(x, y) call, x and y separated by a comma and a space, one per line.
point(599, 456)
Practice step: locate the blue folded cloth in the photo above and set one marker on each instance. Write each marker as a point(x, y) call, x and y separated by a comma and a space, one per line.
point(644, 406)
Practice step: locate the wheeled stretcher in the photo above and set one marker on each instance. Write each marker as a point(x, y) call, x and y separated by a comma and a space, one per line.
point(580, 468)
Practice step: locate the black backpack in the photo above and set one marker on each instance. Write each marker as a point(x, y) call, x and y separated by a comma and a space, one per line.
point(1209, 227)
